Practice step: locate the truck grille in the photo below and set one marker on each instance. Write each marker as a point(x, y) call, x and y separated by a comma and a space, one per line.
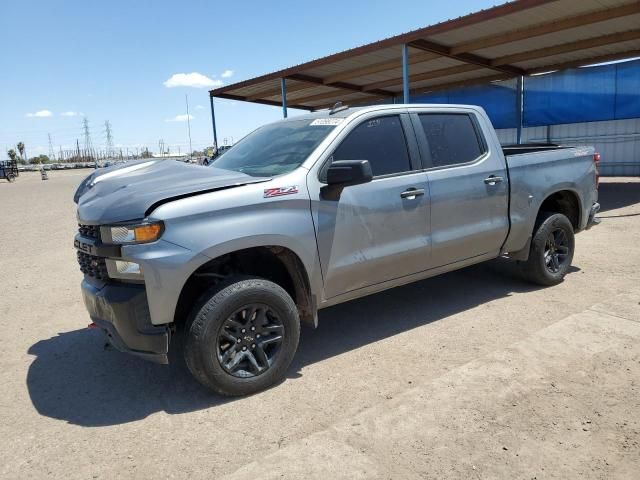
point(93, 266)
point(89, 231)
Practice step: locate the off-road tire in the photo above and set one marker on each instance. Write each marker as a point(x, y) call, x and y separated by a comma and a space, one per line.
point(206, 322)
point(536, 268)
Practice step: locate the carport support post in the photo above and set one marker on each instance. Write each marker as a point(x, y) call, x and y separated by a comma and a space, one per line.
point(213, 123)
point(519, 109)
point(405, 73)
point(283, 89)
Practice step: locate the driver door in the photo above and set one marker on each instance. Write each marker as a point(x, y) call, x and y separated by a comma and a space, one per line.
point(377, 231)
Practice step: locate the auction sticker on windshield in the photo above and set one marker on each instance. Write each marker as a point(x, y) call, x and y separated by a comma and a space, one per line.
point(327, 121)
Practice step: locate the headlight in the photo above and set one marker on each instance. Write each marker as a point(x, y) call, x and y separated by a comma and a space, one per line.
point(126, 234)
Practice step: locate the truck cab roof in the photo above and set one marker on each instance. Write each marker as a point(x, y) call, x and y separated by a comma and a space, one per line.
point(346, 111)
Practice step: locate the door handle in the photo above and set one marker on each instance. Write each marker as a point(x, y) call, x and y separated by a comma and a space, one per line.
point(492, 180)
point(411, 193)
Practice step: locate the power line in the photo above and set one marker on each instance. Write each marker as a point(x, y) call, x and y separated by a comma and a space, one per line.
point(52, 155)
point(87, 136)
point(109, 145)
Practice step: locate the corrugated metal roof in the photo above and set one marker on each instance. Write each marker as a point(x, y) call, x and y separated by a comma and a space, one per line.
point(516, 38)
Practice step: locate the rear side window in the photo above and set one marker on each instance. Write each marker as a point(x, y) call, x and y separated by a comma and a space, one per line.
point(379, 140)
point(452, 138)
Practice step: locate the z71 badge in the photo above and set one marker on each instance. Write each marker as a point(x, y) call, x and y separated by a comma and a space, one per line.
point(278, 192)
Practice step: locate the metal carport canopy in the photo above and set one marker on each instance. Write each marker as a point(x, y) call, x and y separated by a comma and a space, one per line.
point(510, 40)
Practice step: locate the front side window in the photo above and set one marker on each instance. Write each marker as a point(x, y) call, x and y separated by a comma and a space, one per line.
point(381, 141)
point(452, 138)
point(275, 149)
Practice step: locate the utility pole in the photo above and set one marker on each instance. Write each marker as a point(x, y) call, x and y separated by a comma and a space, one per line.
point(161, 147)
point(60, 155)
point(186, 99)
point(109, 140)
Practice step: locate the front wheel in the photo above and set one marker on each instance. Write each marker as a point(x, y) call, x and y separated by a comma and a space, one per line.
point(551, 250)
point(242, 336)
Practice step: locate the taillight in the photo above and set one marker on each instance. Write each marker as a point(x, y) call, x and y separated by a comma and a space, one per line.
point(596, 160)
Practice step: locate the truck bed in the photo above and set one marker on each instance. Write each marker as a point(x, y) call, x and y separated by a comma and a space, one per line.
point(536, 170)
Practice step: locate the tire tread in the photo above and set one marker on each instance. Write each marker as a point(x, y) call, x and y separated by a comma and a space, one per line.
point(200, 316)
point(533, 269)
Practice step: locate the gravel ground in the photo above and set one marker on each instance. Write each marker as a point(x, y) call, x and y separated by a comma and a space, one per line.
point(474, 374)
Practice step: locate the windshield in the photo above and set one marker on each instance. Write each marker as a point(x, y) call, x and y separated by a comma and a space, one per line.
point(277, 148)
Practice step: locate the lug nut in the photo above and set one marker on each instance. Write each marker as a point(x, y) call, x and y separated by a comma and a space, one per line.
point(253, 345)
point(258, 336)
point(253, 329)
point(239, 340)
point(244, 348)
point(243, 330)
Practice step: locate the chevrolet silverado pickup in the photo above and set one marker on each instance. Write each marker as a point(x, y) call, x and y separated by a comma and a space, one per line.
point(310, 212)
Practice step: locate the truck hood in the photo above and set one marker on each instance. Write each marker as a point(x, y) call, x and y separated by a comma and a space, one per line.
point(131, 191)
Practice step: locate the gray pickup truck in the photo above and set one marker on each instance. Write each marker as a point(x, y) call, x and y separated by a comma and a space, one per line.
point(311, 212)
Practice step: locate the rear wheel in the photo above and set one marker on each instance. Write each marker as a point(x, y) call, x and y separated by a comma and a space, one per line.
point(551, 250)
point(242, 336)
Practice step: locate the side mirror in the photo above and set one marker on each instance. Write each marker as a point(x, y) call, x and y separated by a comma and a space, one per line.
point(349, 172)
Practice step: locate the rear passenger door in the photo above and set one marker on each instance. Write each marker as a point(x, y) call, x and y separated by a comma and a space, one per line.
point(468, 184)
point(377, 231)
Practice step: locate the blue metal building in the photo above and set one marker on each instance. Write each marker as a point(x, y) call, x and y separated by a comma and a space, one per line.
point(522, 61)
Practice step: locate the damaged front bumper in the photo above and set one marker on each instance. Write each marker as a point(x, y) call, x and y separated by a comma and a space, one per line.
point(122, 312)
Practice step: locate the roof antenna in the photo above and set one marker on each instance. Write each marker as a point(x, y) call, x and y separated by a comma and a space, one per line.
point(338, 107)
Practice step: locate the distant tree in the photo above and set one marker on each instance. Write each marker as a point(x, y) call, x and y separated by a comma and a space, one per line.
point(39, 159)
point(146, 153)
point(13, 155)
point(21, 149)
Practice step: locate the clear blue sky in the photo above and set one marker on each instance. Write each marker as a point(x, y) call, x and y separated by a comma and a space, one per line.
point(109, 60)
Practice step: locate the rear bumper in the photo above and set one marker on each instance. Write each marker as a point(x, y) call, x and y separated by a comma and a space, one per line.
point(122, 312)
point(595, 208)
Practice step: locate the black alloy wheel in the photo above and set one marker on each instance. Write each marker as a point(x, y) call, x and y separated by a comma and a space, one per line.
point(249, 341)
point(551, 251)
point(241, 336)
point(556, 253)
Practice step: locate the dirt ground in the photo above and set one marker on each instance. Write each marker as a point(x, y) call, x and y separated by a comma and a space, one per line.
point(474, 374)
